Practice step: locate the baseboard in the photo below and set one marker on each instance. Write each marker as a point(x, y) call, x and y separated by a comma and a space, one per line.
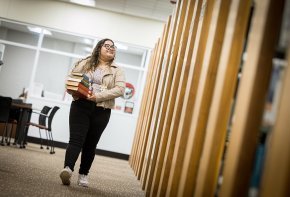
point(64, 145)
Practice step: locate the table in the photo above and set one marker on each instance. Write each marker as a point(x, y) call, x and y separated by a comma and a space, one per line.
point(25, 110)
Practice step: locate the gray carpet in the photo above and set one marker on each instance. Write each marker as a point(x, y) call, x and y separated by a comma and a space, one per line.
point(34, 172)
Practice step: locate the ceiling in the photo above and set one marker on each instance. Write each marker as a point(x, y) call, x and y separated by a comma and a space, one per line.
point(152, 9)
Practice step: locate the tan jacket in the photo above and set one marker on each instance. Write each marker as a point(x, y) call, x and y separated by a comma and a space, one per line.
point(113, 81)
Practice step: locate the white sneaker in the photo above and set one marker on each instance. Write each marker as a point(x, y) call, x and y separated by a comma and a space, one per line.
point(83, 180)
point(65, 175)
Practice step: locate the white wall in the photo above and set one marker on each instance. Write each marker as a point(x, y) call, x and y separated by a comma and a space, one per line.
point(83, 20)
point(119, 134)
point(117, 137)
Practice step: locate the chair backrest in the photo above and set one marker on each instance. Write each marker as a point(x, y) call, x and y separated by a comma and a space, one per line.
point(51, 115)
point(5, 105)
point(42, 118)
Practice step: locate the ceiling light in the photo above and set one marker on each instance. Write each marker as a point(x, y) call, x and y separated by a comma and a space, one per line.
point(88, 49)
point(84, 2)
point(87, 41)
point(38, 30)
point(121, 46)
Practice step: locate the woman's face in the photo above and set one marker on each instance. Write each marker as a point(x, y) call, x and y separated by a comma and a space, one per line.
point(108, 51)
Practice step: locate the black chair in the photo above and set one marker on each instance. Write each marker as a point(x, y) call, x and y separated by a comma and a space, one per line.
point(42, 125)
point(50, 117)
point(5, 105)
point(43, 115)
point(14, 117)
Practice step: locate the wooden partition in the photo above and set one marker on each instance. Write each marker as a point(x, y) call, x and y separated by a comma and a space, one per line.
point(263, 40)
point(186, 110)
point(191, 135)
point(146, 103)
point(277, 166)
point(152, 110)
point(149, 149)
point(146, 131)
point(218, 117)
point(138, 136)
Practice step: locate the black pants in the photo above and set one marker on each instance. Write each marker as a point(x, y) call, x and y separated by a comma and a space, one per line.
point(87, 123)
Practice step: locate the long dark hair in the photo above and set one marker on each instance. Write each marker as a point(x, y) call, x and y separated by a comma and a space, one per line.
point(94, 61)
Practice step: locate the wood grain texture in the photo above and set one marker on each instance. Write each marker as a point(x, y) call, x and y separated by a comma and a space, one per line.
point(251, 96)
point(133, 155)
point(223, 94)
point(148, 155)
point(276, 176)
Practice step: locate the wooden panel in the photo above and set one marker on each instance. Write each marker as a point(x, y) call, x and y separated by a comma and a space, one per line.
point(133, 156)
point(162, 114)
point(165, 96)
point(220, 10)
point(251, 96)
point(152, 102)
point(229, 64)
point(158, 106)
point(191, 87)
point(148, 154)
point(276, 176)
point(184, 51)
point(147, 117)
point(142, 110)
point(165, 63)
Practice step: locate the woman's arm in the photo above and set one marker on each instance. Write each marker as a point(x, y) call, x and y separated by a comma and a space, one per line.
point(117, 91)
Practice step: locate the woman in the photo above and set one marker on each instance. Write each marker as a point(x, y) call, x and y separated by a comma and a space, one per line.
point(89, 117)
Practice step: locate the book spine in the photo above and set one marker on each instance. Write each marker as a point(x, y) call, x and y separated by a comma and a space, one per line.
point(84, 88)
point(86, 78)
point(85, 83)
point(78, 94)
point(83, 92)
point(72, 83)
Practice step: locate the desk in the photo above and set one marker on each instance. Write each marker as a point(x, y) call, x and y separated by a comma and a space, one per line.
point(25, 110)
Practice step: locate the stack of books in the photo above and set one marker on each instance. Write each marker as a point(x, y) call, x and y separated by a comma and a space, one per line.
point(79, 84)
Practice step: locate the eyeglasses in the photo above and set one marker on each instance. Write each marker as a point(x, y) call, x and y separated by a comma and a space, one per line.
point(111, 47)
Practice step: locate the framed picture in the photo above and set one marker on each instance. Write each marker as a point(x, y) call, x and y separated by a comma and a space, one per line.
point(129, 106)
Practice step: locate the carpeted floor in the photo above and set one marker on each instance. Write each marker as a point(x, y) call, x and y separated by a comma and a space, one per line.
point(35, 172)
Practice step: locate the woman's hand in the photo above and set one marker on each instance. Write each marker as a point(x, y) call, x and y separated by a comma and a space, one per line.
point(92, 97)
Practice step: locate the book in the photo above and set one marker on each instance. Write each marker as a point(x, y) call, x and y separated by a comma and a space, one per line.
point(72, 83)
point(71, 78)
point(77, 75)
point(76, 86)
point(79, 84)
point(76, 83)
point(79, 90)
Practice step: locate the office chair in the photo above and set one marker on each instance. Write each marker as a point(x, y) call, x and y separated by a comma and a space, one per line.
point(50, 117)
point(14, 117)
point(43, 116)
point(5, 105)
point(41, 122)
